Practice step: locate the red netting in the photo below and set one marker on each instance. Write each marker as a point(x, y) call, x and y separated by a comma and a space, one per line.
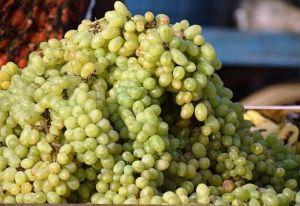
point(24, 24)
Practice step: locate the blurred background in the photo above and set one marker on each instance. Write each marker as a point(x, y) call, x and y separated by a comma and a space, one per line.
point(258, 41)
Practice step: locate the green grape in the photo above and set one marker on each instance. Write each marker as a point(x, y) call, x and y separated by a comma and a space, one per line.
point(187, 111)
point(20, 178)
point(205, 68)
point(269, 199)
point(97, 41)
point(257, 148)
point(202, 193)
point(110, 32)
point(121, 9)
point(156, 50)
point(130, 26)
point(229, 129)
point(201, 112)
point(297, 198)
point(208, 52)
point(291, 183)
point(87, 70)
point(289, 193)
point(178, 57)
point(157, 143)
point(165, 80)
point(3, 163)
point(115, 44)
point(199, 150)
point(53, 198)
point(191, 67)
point(92, 130)
point(190, 84)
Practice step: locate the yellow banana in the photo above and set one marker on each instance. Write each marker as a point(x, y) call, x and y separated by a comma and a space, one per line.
point(261, 122)
point(286, 131)
point(289, 132)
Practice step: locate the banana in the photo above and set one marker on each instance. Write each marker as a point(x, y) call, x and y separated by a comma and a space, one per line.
point(265, 125)
point(286, 131)
point(289, 132)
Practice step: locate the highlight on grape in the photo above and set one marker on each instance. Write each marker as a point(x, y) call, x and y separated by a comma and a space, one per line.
point(129, 110)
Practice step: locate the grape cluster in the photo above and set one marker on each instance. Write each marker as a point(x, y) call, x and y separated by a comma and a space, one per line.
point(129, 109)
point(6, 73)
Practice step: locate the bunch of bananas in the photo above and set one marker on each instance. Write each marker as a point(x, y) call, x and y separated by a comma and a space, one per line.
point(282, 122)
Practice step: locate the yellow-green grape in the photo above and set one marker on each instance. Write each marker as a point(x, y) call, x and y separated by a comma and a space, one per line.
point(187, 111)
point(165, 33)
point(97, 41)
point(114, 19)
point(149, 16)
point(192, 31)
point(184, 24)
point(87, 70)
point(190, 84)
point(5, 84)
point(205, 68)
point(162, 19)
point(178, 57)
point(115, 44)
point(191, 67)
point(38, 64)
point(4, 76)
point(208, 52)
point(171, 198)
point(165, 80)
point(198, 40)
point(198, 150)
point(121, 9)
point(110, 32)
point(140, 26)
point(130, 26)
point(201, 112)
point(178, 72)
point(202, 193)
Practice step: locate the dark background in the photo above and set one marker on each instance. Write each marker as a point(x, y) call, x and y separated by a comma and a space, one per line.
point(204, 12)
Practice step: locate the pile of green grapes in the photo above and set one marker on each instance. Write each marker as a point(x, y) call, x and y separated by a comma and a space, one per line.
point(129, 110)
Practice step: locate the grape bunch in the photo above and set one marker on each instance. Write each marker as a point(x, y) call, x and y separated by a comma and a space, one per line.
point(129, 110)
